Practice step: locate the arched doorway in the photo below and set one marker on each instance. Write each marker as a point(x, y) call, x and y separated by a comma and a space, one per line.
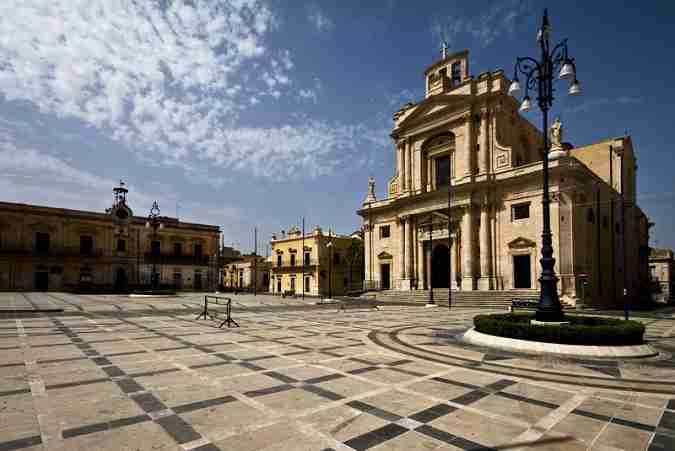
point(121, 281)
point(440, 264)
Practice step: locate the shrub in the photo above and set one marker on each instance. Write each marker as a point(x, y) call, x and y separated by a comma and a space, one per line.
point(582, 330)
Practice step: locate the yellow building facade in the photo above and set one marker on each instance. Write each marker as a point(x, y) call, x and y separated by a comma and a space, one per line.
point(54, 249)
point(318, 264)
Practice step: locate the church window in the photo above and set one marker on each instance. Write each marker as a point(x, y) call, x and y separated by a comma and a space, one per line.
point(42, 242)
point(121, 245)
point(278, 261)
point(520, 211)
point(443, 72)
point(455, 70)
point(86, 244)
point(442, 171)
point(385, 232)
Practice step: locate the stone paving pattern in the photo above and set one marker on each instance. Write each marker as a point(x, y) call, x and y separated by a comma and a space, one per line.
point(114, 373)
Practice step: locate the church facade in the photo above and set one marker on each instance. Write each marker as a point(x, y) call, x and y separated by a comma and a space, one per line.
point(463, 210)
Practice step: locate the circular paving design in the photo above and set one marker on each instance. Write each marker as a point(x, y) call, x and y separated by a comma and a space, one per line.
point(440, 344)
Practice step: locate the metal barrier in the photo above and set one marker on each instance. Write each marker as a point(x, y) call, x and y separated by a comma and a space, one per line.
point(213, 315)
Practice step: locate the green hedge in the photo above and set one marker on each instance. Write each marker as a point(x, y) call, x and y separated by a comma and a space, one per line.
point(582, 330)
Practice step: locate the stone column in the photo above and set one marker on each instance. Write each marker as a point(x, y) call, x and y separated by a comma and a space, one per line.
point(485, 281)
point(468, 147)
point(409, 165)
point(467, 249)
point(402, 234)
point(401, 167)
point(410, 251)
point(483, 149)
point(485, 146)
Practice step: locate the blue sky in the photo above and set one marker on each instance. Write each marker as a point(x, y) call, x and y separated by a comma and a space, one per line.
point(248, 113)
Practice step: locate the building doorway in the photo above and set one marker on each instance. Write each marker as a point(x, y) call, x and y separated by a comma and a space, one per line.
point(385, 276)
point(278, 284)
point(522, 277)
point(440, 266)
point(41, 280)
point(198, 281)
point(121, 281)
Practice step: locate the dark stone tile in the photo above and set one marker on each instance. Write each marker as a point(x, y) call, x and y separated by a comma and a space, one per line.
point(662, 442)
point(20, 391)
point(117, 354)
point(363, 370)
point(595, 416)
point(397, 362)
point(532, 401)
point(20, 443)
point(280, 377)
point(83, 430)
point(376, 437)
point(268, 391)
point(430, 414)
point(668, 420)
point(129, 385)
point(326, 378)
point(178, 429)
point(455, 383)
point(148, 402)
point(321, 392)
point(207, 447)
point(154, 373)
point(76, 384)
point(499, 385)
point(375, 411)
point(471, 397)
point(114, 424)
point(633, 424)
point(203, 404)
point(113, 371)
point(250, 366)
point(100, 361)
point(469, 445)
point(436, 433)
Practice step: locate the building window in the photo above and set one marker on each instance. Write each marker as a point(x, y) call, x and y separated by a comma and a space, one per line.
point(306, 284)
point(292, 283)
point(177, 248)
point(121, 245)
point(155, 247)
point(178, 279)
point(42, 242)
point(520, 211)
point(198, 250)
point(442, 171)
point(279, 261)
point(336, 258)
point(456, 71)
point(307, 258)
point(385, 231)
point(86, 244)
point(292, 259)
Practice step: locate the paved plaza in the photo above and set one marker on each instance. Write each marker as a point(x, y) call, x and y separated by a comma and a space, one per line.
point(120, 373)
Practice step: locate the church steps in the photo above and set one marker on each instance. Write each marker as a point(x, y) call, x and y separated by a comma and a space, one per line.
point(468, 299)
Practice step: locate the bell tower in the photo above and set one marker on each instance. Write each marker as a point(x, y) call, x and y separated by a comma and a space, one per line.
point(451, 71)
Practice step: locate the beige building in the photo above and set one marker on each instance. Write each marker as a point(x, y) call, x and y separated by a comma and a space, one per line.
point(44, 248)
point(241, 274)
point(468, 133)
point(661, 266)
point(333, 264)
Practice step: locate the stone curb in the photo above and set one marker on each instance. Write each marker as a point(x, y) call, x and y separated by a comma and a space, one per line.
point(476, 338)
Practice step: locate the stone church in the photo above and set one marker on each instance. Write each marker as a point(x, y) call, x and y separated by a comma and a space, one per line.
point(465, 144)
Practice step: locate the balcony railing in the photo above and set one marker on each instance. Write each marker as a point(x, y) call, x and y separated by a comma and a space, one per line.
point(298, 265)
point(170, 259)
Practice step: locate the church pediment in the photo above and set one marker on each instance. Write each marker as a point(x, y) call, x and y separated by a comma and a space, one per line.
point(384, 255)
point(520, 243)
point(433, 107)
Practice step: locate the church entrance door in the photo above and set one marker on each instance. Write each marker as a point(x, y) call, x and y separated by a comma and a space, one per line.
point(121, 281)
point(41, 280)
point(440, 264)
point(521, 271)
point(385, 270)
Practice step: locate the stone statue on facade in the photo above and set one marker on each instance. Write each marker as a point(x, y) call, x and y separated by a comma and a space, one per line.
point(556, 136)
point(371, 190)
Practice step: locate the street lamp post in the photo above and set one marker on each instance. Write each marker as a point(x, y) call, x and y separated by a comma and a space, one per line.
point(330, 266)
point(539, 75)
point(155, 223)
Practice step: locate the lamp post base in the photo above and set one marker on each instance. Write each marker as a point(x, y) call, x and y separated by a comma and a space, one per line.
point(550, 316)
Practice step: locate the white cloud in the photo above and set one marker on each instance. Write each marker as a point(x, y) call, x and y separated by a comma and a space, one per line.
point(319, 20)
point(500, 19)
point(169, 79)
